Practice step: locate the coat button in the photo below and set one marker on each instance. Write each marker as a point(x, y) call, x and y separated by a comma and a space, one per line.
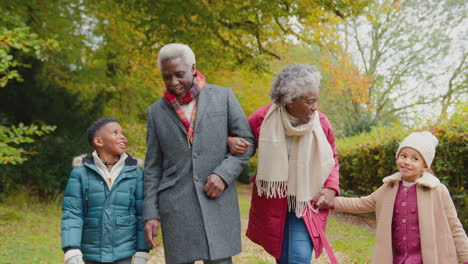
point(403, 204)
point(403, 220)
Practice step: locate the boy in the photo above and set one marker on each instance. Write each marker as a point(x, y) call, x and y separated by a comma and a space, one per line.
point(102, 220)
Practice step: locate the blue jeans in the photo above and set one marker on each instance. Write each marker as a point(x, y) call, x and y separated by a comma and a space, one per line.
point(297, 246)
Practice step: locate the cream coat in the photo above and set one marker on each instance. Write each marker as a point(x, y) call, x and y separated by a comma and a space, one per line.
point(443, 239)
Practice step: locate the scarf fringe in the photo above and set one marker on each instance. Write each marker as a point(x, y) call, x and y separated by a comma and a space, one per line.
point(272, 189)
point(298, 207)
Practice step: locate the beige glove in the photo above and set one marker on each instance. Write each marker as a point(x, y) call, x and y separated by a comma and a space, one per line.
point(141, 257)
point(73, 256)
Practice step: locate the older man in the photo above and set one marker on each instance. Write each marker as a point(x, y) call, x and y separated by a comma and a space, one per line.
point(190, 175)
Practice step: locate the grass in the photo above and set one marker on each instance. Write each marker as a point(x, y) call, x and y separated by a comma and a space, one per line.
point(357, 243)
point(30, 233)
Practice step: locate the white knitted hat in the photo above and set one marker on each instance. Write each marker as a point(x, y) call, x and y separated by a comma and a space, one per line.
point(424, 142)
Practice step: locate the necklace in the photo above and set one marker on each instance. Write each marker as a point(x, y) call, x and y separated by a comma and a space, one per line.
point(106, 163)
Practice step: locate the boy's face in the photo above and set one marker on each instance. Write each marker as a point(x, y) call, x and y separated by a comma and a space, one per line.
point(111, 139)
point(410, 164)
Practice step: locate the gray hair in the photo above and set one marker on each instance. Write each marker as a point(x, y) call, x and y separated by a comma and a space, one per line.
point(293, 82)
point(176, 50)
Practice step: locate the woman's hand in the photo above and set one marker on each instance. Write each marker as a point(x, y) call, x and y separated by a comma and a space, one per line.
point(325, 198)
point(237, 145)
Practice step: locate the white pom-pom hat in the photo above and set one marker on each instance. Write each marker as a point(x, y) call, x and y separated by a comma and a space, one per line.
point(424, 142)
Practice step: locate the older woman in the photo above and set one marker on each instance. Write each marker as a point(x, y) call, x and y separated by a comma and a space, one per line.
point(296, 165)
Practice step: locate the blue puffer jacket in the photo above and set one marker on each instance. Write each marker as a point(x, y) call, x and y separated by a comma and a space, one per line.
point(105, 224)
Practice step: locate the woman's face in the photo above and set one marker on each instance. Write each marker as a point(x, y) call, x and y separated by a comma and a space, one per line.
point(303, 107)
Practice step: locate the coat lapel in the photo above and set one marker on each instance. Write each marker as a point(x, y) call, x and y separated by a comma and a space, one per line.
point(173, 115)
point(204, 99)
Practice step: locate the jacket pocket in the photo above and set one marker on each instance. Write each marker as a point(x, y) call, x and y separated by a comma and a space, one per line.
point(90, 232)
point(128, 220)
point(166, 185)
point(168, 179)
point(169, 172)
point(91, 223)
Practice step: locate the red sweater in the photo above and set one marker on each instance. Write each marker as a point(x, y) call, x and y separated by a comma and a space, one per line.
point(267, 215)
point(406, 241)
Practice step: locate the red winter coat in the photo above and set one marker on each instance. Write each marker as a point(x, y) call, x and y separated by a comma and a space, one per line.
point(267, 215)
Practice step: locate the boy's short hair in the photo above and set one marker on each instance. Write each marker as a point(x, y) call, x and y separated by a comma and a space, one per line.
point(96, 125)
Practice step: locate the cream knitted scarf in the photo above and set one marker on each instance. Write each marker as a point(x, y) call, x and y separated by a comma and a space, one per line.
point(301, 175)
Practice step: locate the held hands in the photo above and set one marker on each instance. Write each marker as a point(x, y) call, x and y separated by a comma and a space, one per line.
point(237, 145)
point(214, 186)
point(73, 256)
point(151, 232)
point(325, 198)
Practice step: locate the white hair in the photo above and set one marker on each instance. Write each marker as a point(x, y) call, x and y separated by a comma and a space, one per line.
point(176, 50)
point(293, 82)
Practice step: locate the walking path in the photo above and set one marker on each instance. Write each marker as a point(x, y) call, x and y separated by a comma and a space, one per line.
point(251, 252)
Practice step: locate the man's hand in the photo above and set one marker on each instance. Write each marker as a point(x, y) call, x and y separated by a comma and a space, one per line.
point(214, 186)
point(325, 198)
point(237, 145)
point(151, 232)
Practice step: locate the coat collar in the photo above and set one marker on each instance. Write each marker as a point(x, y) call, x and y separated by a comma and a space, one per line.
point(79, 161)
point(426, 180)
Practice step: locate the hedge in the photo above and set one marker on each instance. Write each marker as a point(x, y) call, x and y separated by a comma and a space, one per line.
point(366, 159)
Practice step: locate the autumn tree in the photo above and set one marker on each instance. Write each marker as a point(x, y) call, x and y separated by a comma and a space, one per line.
point(17, 41)
point(404, 46)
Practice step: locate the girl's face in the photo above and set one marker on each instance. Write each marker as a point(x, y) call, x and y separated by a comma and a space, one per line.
point(410, 164)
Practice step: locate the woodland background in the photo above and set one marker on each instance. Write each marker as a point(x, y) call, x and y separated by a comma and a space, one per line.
point(388, 67)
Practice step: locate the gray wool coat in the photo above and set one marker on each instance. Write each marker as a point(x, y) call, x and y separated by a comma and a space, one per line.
point(195, 227)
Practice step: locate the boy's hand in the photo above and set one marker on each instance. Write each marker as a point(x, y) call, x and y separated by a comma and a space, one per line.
point(151, 232)
point(141, 257)
point(237, 145)
point(73, 256)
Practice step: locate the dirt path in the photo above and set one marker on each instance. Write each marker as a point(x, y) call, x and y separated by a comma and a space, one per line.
point(251, 252)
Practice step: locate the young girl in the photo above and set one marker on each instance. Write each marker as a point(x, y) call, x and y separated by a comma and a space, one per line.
point(416, 219)
point(102, 217)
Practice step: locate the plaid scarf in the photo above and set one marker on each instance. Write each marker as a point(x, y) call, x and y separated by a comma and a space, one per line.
point(199, 82)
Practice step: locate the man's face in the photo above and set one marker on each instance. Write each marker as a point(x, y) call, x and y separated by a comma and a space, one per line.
point(177, 76)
